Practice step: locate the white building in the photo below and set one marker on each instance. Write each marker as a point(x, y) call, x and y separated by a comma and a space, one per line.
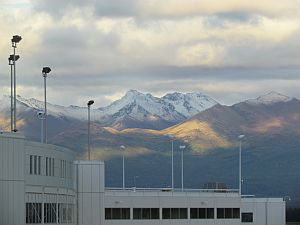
point(43, 184)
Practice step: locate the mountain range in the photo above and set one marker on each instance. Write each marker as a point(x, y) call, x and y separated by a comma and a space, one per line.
point(147, 125)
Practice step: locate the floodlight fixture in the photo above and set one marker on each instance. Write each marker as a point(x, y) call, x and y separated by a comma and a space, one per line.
point(91, 102)
point(13, 58)
point(16, 39)
point(46, 70)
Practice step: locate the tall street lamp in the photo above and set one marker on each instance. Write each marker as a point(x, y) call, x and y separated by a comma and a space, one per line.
point(45, 72)
point(240, 137)
point(11, 63)
point(15, 39)
point(91, 102)
point(172, 159)
point(122, 147)
point(182, 147)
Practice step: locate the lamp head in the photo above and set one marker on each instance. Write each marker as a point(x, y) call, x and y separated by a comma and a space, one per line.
point(122, 147)
point(91, 102)
point(16, 39)
point(46, 70)
point(182, 147)
point(40, 114)
point(12, 58)
point(241, 136)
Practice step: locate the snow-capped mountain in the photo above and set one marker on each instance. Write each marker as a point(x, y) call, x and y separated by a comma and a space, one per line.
point(189, 104)
point(134, 109)
point(270, 98)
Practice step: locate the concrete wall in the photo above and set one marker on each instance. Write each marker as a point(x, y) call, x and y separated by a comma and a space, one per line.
point(159, 199)
point(266, 211)
point(90, 192)
point(12, 180)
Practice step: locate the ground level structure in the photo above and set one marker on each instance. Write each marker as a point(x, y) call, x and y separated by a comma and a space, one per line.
point(44, 184)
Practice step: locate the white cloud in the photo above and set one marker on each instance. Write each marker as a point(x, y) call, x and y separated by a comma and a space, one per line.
point(106, 51)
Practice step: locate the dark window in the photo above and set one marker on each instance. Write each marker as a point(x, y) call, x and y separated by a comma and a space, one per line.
point(145, 214)
point(220, 213)
point(117, 213)
point(108, 215)
point(247, 217)
point(154, 213)
point(39, 165)
point(49, 212)
point(31, 164)
point(210, 213)
point(174, 213)
point(33, 212)
point(228, 213)
point(47, 173)
point(137, 214)
point(202, 213)
point(125, 213)
point(166, 213)
point(194, 213)
point(35, 164)
point(183, 213)
point(236, 213)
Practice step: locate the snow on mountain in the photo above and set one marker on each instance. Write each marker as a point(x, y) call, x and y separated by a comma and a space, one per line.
point(138, 104)
point(189, 104)
point(173, 107)
point(270, 98)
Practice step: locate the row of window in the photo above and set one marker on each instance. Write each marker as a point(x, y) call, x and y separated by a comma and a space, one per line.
point(53, 213)
point(171, 213)
point(35, 164)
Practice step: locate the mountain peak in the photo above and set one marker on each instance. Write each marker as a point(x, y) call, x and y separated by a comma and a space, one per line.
point(270, 98)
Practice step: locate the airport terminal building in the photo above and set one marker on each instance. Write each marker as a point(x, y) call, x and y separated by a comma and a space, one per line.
point(44, 184)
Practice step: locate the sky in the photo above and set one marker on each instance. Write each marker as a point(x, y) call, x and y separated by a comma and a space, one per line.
point(231, 50)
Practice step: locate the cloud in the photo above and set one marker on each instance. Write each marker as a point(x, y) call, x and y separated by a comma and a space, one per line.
point(229, 49)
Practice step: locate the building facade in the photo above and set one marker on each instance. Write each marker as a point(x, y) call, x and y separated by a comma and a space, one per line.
point(44, 184)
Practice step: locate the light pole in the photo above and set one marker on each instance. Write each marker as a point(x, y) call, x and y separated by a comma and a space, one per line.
point(91, 102)
point(15, 39)
point(172, 156)
point(182, 147)
point(11, 63)
point(122, 147)
point(45, 72)
point(240, 137)
point(41, 115)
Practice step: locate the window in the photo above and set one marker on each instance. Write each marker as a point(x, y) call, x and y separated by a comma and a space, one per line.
point(228, 213)
point(174, 213)
point(63, 168)
point(145, 213)
point(33, 212)
point(35, 164)
point(31, 165)
point(247, 217)
point(65, 213)
point(202, 213)
point(117, 213)
point(49, 166)
point(49, 212)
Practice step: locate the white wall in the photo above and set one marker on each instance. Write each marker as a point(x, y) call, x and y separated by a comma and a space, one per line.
point(90, 192)
point(266, 211)
point(12, 182)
